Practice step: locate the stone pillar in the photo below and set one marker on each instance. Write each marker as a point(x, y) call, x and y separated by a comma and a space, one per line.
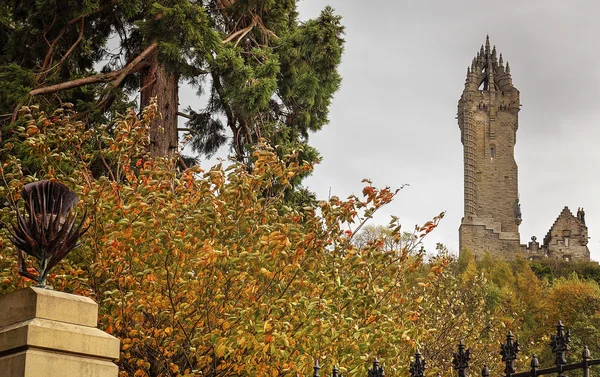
point(53, 334)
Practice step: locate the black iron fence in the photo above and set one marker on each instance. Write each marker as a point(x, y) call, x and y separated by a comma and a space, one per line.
point(509, 352)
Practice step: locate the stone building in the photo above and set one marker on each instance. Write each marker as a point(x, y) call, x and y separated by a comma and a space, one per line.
point(488, 120)
point(567, 239)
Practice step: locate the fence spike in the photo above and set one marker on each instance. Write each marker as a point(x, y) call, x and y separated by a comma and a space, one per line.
point(485, 372)
point(509, 351)
point(417, 367)
point(586, 353)
point(461, 358)
point(317, 369)
point(335, 372)
point(376, 370)
point(560, 344)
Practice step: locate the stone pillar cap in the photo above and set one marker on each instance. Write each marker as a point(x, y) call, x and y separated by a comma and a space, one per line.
point(33, 302)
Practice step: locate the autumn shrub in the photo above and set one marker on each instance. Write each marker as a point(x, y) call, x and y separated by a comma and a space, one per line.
point(217, 273)
point(529, 298)
point(212, 272)
point(454, 307)
point(550, 269)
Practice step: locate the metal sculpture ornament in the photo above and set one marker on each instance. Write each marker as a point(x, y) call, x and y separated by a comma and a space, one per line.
point(48, 230)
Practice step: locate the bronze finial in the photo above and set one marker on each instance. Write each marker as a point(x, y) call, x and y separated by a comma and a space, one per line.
point(47, 231)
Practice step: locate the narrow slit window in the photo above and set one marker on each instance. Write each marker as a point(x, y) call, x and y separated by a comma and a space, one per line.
point(492, 151)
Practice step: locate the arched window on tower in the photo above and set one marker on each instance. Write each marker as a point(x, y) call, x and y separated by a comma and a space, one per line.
point(492, 151)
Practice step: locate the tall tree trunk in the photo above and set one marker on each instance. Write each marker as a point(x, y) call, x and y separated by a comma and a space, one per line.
point(156, 81)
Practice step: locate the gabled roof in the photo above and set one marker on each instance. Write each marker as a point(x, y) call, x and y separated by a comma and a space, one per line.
point(564, 214)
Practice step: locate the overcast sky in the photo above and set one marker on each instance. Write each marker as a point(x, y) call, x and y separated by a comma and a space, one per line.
point(403, 70)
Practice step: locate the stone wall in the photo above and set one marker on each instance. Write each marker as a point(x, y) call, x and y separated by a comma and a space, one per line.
point(480, 240)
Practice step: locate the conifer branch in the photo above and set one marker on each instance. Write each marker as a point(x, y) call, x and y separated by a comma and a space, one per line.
point(246, 31)
point(115, 77)
point(47, 30)
point(225, 3)
point(258, 20)
point(135, 65)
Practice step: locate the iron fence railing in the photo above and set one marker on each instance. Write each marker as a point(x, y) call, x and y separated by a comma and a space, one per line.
point(509, 352)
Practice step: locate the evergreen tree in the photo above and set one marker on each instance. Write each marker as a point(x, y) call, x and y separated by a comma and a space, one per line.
point(266, 74)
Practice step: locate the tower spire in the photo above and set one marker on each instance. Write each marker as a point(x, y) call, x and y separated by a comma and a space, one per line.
point(487, 70)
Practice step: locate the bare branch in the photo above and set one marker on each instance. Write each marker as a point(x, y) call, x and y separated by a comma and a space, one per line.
point(185, 167)
point(243, 31)
point(258, 20)
point(48, 57)
point(70, 50)
point(184, 115)
point(147, 85)
point(102, 77)
point(115, 77)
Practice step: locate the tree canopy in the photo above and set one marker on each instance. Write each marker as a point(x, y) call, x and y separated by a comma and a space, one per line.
point(259, 71)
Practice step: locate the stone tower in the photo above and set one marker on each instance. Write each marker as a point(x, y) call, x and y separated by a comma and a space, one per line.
point(488, 120)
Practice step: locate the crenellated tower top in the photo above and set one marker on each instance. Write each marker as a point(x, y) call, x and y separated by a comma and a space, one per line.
point(487, 71)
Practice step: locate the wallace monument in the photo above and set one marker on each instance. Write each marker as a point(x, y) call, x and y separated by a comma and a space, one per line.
point(488, 118)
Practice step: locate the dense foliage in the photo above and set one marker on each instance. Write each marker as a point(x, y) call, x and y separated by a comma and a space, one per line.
point(214, 273)
point(260, 71)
